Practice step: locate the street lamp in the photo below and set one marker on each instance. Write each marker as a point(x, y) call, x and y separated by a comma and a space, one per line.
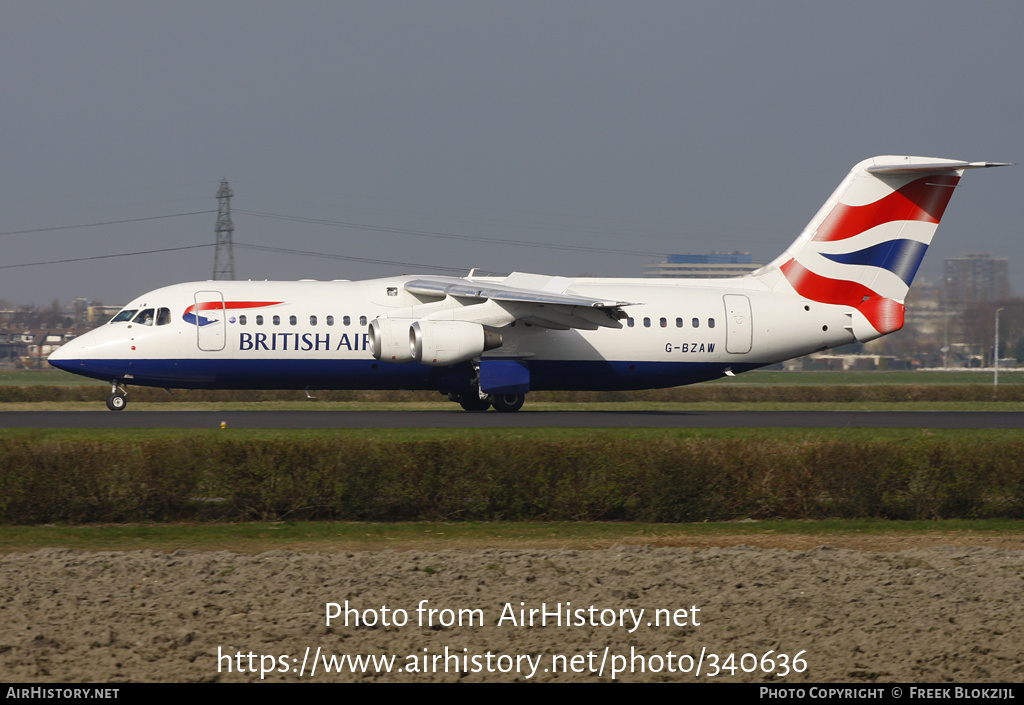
point(995, 352)
point(945, 348)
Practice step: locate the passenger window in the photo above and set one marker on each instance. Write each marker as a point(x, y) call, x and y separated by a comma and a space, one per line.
point(647, 322)
point(711, 323)
point(145, 317)
point(696, 323)
point(241, 320)
point(312, 320)
point(362, 320)
point(346, 320)
point(163, 317)
point(292, 320)
point(259, 320)
point(679, 323)
point(664, 323)
point(629, 322)
point(330, 320)
point(277, 320)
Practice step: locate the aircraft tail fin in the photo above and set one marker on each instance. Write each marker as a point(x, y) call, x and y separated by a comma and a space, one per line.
point(864, 246)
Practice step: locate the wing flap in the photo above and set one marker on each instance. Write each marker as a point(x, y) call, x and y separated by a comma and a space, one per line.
point(462, 288)
point(539, 299)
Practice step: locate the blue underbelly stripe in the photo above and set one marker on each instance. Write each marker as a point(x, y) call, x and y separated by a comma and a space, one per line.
point(369, 374)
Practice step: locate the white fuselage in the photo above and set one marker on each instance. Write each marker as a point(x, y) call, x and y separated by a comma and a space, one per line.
point(314, 335)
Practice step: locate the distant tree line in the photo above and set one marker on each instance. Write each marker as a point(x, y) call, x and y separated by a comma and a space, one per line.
point(971, 328)
point(32, 317)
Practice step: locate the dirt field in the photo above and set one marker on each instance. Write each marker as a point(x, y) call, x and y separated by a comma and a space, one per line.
point(927, 614)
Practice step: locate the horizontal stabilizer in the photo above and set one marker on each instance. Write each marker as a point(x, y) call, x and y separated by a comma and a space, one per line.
point(949, 164)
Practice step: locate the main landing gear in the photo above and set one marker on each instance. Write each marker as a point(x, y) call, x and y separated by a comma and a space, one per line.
point(473, 401)
point(507, 402)
point(118, 398)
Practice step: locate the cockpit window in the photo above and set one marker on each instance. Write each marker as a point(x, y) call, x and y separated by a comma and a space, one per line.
point(145, 317)
point(163, 317)
point(125, 315)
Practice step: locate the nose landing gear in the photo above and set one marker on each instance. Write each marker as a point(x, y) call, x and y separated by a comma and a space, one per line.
point(118, 398)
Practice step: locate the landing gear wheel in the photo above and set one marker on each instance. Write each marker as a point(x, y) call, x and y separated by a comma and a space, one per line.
point(508, 402)
point(473, 402)
point(116, 401)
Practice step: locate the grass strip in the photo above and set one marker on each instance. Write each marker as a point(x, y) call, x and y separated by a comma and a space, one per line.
point(963, 406)
point(257, 537)
point(128, 436)
point(701, 393)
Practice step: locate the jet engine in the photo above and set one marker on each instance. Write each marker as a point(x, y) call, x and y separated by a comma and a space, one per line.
point(389, 339)
point(443, 343)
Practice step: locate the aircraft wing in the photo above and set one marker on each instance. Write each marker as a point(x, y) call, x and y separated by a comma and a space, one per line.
point(536, 299)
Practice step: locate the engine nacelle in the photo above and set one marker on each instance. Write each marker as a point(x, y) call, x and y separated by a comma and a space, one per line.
point(389, 340)
point(443, 343)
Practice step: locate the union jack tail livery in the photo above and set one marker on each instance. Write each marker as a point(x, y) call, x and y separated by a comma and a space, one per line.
point(863, 248)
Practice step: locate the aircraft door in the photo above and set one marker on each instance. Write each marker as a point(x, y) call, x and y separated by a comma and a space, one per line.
point(209, 320)
point(739, 330)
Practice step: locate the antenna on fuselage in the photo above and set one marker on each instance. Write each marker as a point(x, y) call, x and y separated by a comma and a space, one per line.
point(224, 257)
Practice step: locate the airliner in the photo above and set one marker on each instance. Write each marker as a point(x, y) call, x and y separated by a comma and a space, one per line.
point(487, 341)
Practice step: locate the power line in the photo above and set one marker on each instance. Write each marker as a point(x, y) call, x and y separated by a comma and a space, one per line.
point(447, 236)
point(120, 254)
point(365, 260)
point(260, 248)
point(109, 222)
point(309, 253)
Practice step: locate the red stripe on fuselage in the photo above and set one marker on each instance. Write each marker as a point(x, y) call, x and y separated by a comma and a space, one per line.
point(922, 200)
point(229, 305)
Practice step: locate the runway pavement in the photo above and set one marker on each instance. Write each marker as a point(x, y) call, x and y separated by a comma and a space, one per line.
point(522, 419)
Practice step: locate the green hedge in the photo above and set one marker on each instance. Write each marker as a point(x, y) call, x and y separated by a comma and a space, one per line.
point(669, 480)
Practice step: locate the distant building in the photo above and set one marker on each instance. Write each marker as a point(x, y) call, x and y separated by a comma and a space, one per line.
point(975, 278)
point(29, 348)
point(715, 265)
point(96, 314)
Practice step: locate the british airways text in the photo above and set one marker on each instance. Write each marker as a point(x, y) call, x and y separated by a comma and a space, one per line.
point(302, 341)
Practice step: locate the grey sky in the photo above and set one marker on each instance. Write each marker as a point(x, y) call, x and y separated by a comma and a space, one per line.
point(657, 127)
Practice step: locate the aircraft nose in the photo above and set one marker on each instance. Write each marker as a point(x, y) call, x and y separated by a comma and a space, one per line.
point(93, 354)
point(63, 357)
point(68, 355)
